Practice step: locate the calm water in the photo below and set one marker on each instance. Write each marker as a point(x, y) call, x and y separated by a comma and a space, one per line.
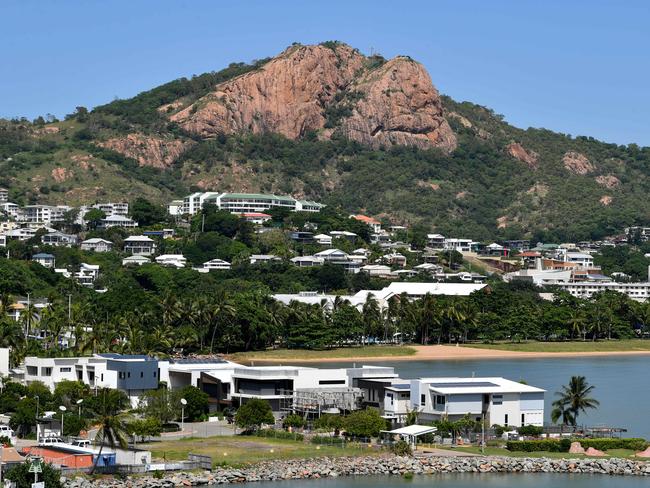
point(622, 384)
point(469, 481)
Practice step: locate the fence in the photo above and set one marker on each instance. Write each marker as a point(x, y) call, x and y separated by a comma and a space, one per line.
point(204, 462)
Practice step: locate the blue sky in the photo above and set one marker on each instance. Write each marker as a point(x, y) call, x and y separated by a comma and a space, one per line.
point(578, 67)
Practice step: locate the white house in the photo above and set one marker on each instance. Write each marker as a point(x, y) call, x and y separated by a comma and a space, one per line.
point(10, 209)
point(216, 264)
point(135, 261)
point(394, 258)
point(96, 245)
point(583, 260)
point(257, 218)
point(59, 239)
point(501, 401)
point(139, 245)
point(307, 261)
point(374, 224)
point(4, 195)
point(378, 270)
point(117, 220)
point(323, 239)
point(460, 245)
point(263, 258)
point(435, 241)
point(87, 274)
point(344, 234)
point(44, 259)
point(172, 260)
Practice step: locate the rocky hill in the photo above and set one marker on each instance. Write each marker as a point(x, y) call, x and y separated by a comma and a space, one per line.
point(326, 122)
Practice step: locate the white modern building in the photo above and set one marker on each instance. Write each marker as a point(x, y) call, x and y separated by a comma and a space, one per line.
point(135, 260)
point(4, 195)
point(87, 274)
point(132, 374)
point(587, 289)
point(113, 208)
point(139, 245)
point(242, 203)
point(10, 209)
point(460, 245)
point(263, 258)
point(307, 261)
point(323, 239)
point(436, 241)
point(498, 400)
point(215, 265)
point(42, 214)
point(96, 244)
point(59, 239)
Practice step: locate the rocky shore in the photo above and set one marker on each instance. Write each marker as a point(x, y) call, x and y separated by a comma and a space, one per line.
point(362, 466)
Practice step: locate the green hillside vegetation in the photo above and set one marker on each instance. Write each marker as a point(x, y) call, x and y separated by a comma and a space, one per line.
point(478, 191)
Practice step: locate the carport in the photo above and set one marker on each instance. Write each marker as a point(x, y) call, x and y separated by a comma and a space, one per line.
point(410, 433)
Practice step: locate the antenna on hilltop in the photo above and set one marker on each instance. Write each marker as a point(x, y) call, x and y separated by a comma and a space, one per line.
point(372, 51)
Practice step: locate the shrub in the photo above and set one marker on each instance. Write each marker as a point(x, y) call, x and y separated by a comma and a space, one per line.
point(293, 420)
point(563, 445)
point(548, 445)
point(634, 444)
point(401, 448)
point(531, 430)
point(252, 414)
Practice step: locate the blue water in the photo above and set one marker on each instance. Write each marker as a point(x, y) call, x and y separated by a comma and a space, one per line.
point(622, 383)
point(470, 481)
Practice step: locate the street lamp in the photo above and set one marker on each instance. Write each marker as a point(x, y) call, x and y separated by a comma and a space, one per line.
point(183, 403)
point(79, 402)
point(63, 409)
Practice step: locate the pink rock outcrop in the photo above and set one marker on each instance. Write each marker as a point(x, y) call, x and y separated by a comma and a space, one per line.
point(147, 150)
point(594, 452)
point(577, 163)
point(330, 90)
point(576, 448)
point(518, 152)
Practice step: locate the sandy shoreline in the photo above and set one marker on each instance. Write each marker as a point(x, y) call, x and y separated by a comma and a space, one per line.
point(451, 353)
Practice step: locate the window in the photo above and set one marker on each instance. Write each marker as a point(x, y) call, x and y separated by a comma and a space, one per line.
point(47, 371)
point(141, 374)
point(128, 374)
point(523, 419)
point(423, 399)
point(65, 370)
point(101, 377)
point(505, 419)
point(390, 396)
point(440, 400)
point(331, 382)
point(155, 374)
point(32, 370)
point(497, 399)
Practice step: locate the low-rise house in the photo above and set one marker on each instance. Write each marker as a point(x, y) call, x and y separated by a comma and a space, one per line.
point(302, 237)
point(59, 239)
point(44, 259)
point(216, 265)
point(429, 268)
point(378, 270)
point(460, 245)
point(257, 218)
point(307, 261)
point(96, 245)
point(498, 400)
point(139, 245)
point(135, 260)
point(172, 260)
point(163, 234)
point(323, 239)
point(394, 259)
point(436, 241)
point(4, 195)
point(374, 224)
point(344, 234)
point(263, 258)
point(87, 274)
point(175, 207)
point(117, 221)
point(113, 208)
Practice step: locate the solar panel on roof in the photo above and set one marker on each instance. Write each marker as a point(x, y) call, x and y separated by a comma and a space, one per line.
point(466, 384)
point(199, 361)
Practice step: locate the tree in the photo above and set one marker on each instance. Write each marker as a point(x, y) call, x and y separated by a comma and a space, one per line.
point(93, 218)
point(573, 399)
point(252, 414)
point(147, 427)
point(146, 213)
point(293, 420)
point(21, 477)
point(197, 402)
point(112, 429)
point(365, 423)
point(24, 418)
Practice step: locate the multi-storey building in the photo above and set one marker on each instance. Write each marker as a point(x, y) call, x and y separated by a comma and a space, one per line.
point(242, 203)
point(4, 195)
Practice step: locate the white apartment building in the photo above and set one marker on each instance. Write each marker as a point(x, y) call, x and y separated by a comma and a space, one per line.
point(4, 195)
point(139, 245)
point(42, 214)
point(587, 289)
point(583, 260)
point(3, 240)
point(10, 209)
point(110, 208)
point(501, 401)
point(242, 203)
point(87, 274)
point(132, 374)
point(436, 241)
point(175, 207)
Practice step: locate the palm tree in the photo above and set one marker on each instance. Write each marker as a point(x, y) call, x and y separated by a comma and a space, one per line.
point(219, 313)
point(576, 322)
point(575, 398)
point(561, 412)
point(112, 430)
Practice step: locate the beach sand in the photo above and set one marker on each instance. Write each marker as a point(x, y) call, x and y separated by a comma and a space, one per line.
point(451, 352)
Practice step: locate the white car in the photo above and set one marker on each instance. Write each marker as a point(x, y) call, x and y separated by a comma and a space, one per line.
point(50, 441)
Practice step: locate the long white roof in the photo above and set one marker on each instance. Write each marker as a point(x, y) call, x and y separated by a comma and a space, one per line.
point(459, 385)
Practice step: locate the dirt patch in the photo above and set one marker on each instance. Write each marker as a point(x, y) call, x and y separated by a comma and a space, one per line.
point(60, 174)
point(538, 189)
point(518, 152)
point(428, 184)
point(502, 222)
point(606, 200)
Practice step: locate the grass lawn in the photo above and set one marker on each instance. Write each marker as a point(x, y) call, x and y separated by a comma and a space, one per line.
point(574, 346)
point(239, 450)
point(338, 353)
point(499, 451)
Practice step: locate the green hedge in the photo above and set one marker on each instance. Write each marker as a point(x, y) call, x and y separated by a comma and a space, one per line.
point(563, 445)
point(279, 434)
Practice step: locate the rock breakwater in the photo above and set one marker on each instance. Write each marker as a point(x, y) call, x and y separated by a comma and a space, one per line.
point(362, 466)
